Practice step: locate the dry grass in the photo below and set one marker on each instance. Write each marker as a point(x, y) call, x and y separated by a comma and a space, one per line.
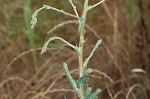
point(120, 70)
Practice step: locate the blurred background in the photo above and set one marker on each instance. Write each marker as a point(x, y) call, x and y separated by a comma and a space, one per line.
point(121, 64)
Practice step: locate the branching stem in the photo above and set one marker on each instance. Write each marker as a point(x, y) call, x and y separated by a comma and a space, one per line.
point(80, 84)
point(81, 44)
point(74, 8)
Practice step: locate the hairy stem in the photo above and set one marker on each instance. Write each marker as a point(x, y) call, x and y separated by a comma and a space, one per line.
point(81, 44)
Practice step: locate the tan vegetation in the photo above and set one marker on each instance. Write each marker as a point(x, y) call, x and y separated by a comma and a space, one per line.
point(121, 66)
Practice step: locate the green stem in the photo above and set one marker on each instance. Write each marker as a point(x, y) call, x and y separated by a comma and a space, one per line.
point(81, 44)
point(28, 31)
point(95, 5)
point(61, 11)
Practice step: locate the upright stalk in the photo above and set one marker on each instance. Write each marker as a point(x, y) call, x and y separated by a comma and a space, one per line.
point(81, 43)
point(80, 85)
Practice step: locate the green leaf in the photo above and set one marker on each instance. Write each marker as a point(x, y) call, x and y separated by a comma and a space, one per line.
point(95, 94)
point(87, 71)
point(82, 81)
point(62, 40)
point(87, 93)
point(91, 54)
point(71, 80)
point(34, 16)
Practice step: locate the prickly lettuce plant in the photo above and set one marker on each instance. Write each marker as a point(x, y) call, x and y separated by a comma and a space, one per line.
point(80, 85)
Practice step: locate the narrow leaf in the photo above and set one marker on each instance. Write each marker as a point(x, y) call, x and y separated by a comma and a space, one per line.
point(95, 94)
point(71, 80)
point(87, 93)
point(62, 40)
point(87, 71)
point(91, 54)
point(34, 17)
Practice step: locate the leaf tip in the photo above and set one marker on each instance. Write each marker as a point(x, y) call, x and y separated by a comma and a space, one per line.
point(99, 41)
